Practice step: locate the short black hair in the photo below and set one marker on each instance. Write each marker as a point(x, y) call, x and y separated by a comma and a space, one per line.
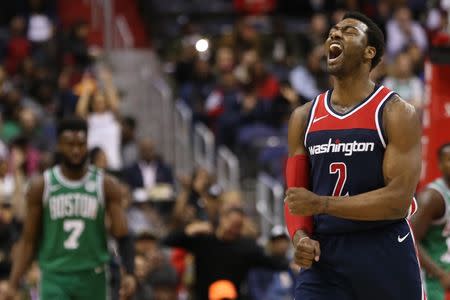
point(375, 37)
point(441, 150)
point(71, 123)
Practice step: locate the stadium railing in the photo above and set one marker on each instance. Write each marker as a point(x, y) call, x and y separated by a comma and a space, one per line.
point(269, 204)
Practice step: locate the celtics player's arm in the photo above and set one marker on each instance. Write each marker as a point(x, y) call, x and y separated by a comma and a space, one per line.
point(26, 246)
point(297, 170)
point(401, 170)
point(119, 225)
point(431, 207)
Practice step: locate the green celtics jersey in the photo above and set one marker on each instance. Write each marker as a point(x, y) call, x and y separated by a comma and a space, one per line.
point(437, 242)
point(73, 236)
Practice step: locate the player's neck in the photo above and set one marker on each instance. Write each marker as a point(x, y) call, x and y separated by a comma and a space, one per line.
point(351, 90)
point(72, 173)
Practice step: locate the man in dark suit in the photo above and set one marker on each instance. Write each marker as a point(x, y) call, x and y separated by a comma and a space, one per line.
point(149, 170)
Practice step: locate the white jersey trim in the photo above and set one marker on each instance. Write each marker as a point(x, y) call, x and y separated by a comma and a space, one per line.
point(377, 122)
point(311, 118)
point(47, 183)
point(341, 117)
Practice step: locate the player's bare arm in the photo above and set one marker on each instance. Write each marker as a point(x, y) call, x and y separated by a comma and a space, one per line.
point(27, 245)
point(114, 208)
point(306, 249)
point(431, 207)
point(119, 229)
point(401, 170)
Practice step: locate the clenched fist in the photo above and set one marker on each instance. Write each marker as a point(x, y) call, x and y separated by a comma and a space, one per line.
point(306, 250)
point(303, 202)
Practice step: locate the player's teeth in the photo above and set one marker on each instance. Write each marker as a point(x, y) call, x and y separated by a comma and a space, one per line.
point(335, 46)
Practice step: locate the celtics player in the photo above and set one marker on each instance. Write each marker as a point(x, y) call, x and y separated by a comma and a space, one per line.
point(431, 226)
point(65, 226)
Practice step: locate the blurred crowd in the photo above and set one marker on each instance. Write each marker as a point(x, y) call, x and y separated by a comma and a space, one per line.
point(191, 236)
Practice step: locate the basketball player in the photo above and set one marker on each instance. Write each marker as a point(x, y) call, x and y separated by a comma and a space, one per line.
point(353, 168)
point(65, 225)
point(431, 226)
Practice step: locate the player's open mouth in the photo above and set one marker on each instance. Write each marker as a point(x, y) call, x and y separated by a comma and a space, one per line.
point(335, 52)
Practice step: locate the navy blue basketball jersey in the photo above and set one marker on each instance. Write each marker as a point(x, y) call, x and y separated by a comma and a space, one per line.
point(346, 154)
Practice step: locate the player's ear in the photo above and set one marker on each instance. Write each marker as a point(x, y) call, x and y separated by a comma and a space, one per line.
point(370, 52)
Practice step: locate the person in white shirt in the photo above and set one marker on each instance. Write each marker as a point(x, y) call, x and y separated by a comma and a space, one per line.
point(100, 109)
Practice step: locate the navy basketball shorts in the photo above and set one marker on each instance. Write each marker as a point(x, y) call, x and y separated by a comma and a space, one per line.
point(379, 264)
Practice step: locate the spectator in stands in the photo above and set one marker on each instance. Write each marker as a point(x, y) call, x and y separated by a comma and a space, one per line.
point(129, 145)
point(403, 80)
point(224, 60)
point(149, 170)
point(30, 163)
point(76, 45)
point(282, 48)
point(403, 32)
point(66, 100)
point(11, 204)
point(18, 47)
point(221, 253)
point(190, 204)
point(309, 79)
point(269, 284)
point(266, 84)
point(315, 34)
point(245, 110)
point(153, 269)
point(195, 91)
point(224, 95)
point(101, 111)
point(283, 105)
point(40, 27)
point(248, 58)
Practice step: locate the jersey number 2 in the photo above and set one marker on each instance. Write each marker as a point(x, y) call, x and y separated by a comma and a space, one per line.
point(75, 227)
point(341, 169)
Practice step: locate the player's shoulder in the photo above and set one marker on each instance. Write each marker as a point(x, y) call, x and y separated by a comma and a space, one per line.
point(301, 113)
point(401, 115)
point(398, 106)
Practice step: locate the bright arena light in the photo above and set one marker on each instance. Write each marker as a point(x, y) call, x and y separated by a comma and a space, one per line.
point(202, 45)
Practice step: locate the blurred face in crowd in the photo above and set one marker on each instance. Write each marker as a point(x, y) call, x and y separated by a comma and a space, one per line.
point(142, 267)
point(444, 162)
point(314, 59)
point(403, 66)
point(403, 18)
point(279, 246)
point(82, 31)
point(27, 120)
point(99, 104)
point(147, 150)
point(230, 224)
point(249, 57)
point(72, 145)
point(145, 246)
point(224, 59)
point(319, 24)
point(346, 46)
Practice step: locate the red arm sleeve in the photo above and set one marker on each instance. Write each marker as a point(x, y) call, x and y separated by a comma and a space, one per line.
point(297, 175)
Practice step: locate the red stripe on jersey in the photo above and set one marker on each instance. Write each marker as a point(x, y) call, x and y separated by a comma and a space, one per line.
point(361, 117)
